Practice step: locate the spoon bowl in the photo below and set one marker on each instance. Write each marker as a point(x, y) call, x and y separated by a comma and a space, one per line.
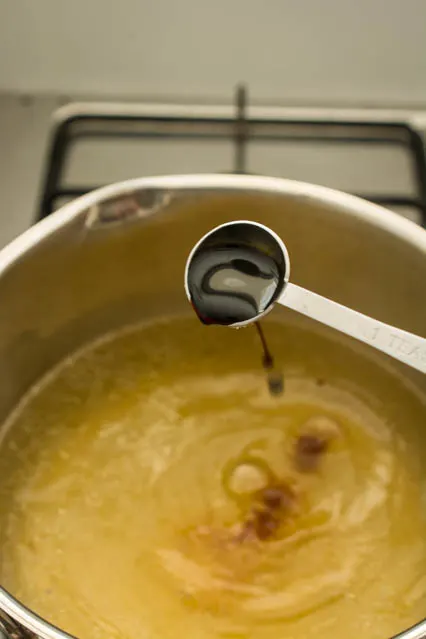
point(235, 273)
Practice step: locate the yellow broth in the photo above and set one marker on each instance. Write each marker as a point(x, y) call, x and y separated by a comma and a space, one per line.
point(118, 520)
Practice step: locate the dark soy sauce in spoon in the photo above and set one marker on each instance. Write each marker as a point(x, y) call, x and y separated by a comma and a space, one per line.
point(230, 284)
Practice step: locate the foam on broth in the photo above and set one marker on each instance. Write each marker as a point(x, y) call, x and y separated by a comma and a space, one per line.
point(115, 517)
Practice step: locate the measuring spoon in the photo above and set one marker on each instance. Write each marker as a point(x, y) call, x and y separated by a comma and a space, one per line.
point(237, 272)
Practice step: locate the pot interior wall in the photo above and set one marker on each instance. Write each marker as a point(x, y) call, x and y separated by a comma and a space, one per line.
point(80, 282)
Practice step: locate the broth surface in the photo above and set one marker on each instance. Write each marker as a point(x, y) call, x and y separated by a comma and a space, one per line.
point(117, 515)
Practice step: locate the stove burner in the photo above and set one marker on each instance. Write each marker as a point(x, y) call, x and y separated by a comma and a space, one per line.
point(118, 121)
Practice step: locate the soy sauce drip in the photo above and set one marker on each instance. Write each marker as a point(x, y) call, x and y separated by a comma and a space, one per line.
point(232, 283)
point(274, 377)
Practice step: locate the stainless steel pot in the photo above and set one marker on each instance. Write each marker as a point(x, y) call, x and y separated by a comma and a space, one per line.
point(117, 256)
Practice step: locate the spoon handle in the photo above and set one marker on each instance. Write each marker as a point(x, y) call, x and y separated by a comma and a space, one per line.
point(399, 344)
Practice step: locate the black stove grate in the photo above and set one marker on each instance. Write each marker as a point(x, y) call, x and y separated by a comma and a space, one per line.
point(104, 121)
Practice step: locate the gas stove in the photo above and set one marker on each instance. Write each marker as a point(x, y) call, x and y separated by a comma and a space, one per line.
point(376, 154)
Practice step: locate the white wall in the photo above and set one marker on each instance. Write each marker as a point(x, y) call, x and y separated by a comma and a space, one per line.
point(370, 52)
point(24, 129)
point(305, 51)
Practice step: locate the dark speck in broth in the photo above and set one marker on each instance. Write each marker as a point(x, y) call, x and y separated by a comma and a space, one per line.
point(308, 451)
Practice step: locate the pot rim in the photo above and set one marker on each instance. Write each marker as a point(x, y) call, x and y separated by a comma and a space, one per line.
point(304, 192)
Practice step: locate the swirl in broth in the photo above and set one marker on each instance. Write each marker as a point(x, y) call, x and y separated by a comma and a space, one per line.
point(143, 475)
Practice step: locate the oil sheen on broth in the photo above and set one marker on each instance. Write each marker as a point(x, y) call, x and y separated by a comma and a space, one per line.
point(141, 474)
